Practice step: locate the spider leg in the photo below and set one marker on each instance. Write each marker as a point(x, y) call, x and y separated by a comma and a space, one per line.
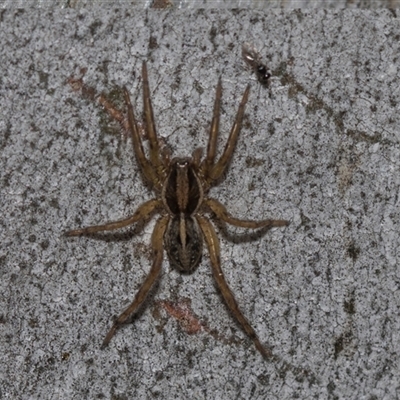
point(221, 212)
point(214, 250)
point(208, 162)
point(142, 212)
point(157, 245)
point(148, 170)
point(150, 126)
point(219, 168)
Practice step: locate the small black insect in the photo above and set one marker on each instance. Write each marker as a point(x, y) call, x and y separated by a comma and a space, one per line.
point(252, 59)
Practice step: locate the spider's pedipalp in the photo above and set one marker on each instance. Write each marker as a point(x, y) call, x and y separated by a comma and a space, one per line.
point(196, 157)
point(157, 246)
point(214, 251)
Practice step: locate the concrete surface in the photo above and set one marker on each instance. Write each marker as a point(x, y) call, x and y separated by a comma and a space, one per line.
point(319, 147)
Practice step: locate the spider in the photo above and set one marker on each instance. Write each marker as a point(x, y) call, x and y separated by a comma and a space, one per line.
point(182, 186)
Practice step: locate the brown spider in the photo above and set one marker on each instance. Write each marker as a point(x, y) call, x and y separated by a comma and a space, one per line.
point(181, 186)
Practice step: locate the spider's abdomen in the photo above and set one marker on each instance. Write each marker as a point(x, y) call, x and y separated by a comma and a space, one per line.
point(183, 242)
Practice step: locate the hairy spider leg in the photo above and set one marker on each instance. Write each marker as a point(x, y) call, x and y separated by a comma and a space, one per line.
point(141, 213)
point(222, 213)
point(157, 246)
point(147, 168)
point(149, 118)
point(214, 251)
point(219, 168)
point(208, 162)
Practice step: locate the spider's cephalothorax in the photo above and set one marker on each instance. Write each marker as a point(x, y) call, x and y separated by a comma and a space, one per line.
point(181, 186)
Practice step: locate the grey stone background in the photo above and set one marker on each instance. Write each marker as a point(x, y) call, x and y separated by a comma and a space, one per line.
point(211, 4)
point(319, 147)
